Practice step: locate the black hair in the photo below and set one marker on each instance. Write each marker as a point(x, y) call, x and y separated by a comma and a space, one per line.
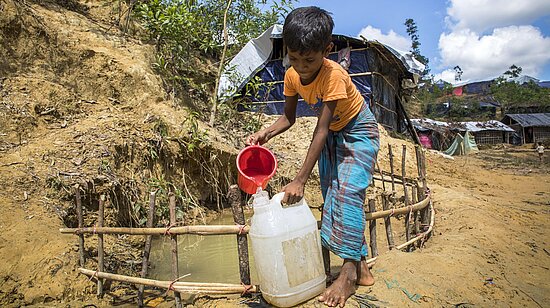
point(308, 29)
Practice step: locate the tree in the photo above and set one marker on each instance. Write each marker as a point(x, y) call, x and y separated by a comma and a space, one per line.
point(458, 73)
point(412, 31)
point(511, 94)
point(513, 71)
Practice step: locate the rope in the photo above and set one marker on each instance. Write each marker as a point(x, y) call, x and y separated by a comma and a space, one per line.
point(94, 275)
point(171, 285)
point(241, 229)
point(247, 288)
point(167, 231)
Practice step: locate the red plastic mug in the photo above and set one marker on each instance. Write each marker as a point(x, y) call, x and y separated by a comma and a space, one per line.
point(256, 166)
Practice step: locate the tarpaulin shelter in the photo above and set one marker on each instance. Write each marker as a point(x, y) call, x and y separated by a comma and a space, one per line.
point(462, 145)
point(530, 127)
point(433, 134)
point(489, 132)
point(441, 133)
point(383, 75)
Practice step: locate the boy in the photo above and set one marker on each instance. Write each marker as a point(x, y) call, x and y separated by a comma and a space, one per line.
point(540, 150)
point(345, 142)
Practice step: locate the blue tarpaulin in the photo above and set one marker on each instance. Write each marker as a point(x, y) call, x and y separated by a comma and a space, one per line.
point(270, 98)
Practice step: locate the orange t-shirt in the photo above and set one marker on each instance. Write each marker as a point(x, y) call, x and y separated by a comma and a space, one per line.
point(332, 83)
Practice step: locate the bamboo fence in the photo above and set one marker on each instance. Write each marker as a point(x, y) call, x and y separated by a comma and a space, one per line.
point(417, 208)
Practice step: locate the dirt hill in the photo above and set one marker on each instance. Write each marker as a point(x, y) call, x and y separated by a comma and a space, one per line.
point(80, 104)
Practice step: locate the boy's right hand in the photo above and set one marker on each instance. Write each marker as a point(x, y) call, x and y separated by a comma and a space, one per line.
point(257, 138)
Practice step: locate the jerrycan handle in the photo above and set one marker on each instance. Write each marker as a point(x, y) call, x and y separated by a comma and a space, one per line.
point(278, 199)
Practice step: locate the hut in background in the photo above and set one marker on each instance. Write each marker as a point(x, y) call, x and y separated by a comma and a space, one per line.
point(384, 76)
point(529, 127)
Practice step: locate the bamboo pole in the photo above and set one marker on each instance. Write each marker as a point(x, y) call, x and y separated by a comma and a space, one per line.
point(372, 229)
point(387, 222)
point(183, 287)
point(242, 242)
point(100, 252)
point(397, 179)
point(405, 194)
point(147, 248)
point(198, 230)
point(218, 229)
point(174, 241)
point(80, 225)
point(402, 210)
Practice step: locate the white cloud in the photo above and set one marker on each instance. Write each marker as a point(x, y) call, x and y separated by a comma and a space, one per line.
point(392, 39)
point(482, 15)
point(488, 56)
point(448, 75)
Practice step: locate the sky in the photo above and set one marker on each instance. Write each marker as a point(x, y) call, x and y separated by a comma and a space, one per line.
point(483, 37)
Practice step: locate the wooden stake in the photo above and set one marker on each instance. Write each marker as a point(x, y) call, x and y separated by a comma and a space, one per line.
point(100, 252)
point(415, 218)
point(420, 192)
point(372, 229)
point(381, 176)
point(387, 222)
point(174, 240)
point(391, 170)
point(80, 224)
point(428, 213)
point(405, 193)
point(242, 242)
point(147, 248)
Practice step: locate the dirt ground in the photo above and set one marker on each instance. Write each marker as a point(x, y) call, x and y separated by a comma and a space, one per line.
point(73, 95)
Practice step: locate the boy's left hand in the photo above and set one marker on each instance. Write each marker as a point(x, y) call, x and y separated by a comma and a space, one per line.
point(294, 192)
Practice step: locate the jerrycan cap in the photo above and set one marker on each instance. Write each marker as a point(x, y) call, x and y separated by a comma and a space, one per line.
point(261, 198)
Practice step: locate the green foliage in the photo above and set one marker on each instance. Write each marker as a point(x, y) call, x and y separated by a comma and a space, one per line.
point(228, 116)
point(162, 210)
point(190, 32)
point(514, 71)
point(511, 94)
point(412, 31)
point(196, 137)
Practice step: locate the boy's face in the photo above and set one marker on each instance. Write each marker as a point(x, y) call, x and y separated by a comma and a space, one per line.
point(307, 64)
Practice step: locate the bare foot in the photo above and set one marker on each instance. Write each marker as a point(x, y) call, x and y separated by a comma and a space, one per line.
point(364, 276)
point(343, 287)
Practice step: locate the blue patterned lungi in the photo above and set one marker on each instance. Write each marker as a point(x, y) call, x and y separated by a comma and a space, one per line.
point(346, 165)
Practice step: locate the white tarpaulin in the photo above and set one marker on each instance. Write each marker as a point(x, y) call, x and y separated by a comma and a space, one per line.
point(247, 62)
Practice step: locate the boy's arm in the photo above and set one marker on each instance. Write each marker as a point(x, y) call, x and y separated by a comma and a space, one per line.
point(283, 123)
point(295, 190)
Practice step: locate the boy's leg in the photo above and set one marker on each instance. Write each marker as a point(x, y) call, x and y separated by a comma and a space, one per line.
point(343, 287)
point(326, 263)
point(364, 275)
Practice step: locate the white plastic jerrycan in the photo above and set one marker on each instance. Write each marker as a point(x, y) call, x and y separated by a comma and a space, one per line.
point(286, 247)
